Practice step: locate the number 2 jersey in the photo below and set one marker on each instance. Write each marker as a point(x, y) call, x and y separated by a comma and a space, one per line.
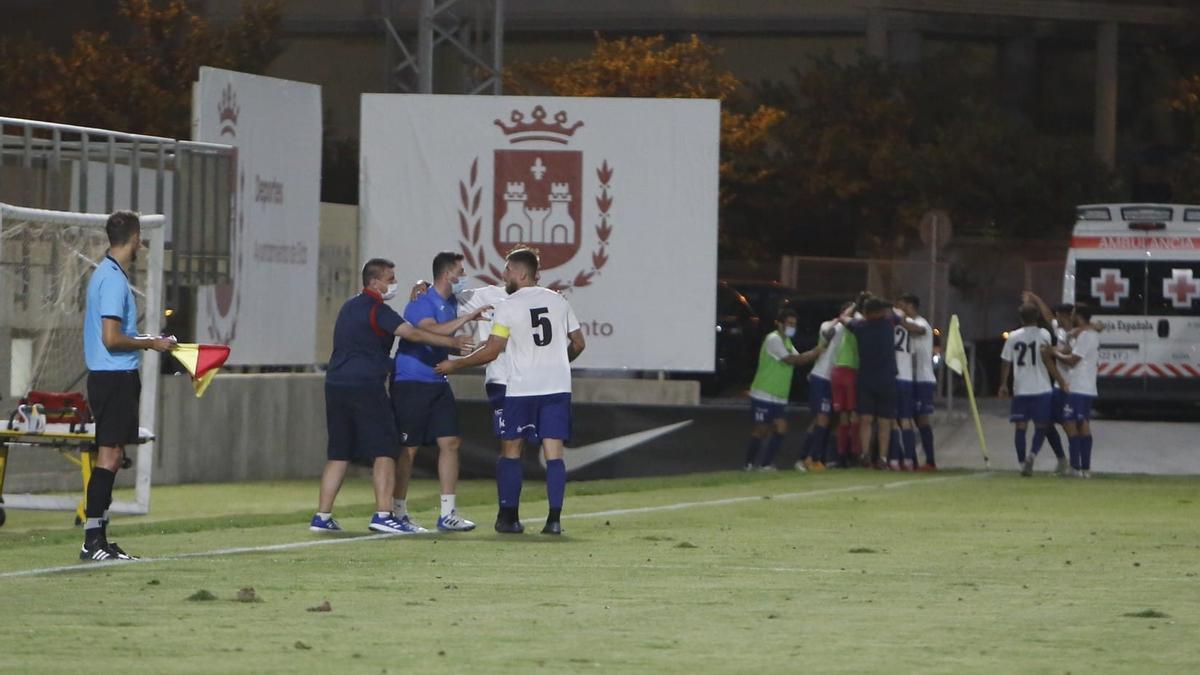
point(1023, 349)
point(536, 322)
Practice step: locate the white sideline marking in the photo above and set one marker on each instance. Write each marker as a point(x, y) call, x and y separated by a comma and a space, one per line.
point(291, 546)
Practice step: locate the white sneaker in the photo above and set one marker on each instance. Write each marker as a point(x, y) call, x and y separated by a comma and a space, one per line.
point(769, 467)
point(1063, 466)
point(748, 467)
point(407, 526)
point(454, 523)
point(800, 466)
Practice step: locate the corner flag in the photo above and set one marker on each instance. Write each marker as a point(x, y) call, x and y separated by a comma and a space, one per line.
point(202, 361)
point(956, 360)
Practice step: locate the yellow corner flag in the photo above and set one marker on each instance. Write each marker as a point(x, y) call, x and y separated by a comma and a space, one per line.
point(956, 360)
point(202, 361)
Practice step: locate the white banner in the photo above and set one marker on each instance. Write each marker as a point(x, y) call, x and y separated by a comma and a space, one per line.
point(619, 195)
point(267, 309)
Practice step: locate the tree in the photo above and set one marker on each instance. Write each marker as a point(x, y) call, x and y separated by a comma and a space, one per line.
point(138, 78)
point(651, 67)
point(866, 149)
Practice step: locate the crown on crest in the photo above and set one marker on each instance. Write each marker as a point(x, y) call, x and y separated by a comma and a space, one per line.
point(538, 129)
point(227, 109)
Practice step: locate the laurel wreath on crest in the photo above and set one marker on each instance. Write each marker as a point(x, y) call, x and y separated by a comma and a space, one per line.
point(470, 221)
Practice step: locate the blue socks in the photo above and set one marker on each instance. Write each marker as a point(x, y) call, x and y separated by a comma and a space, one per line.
point(893, 449)
point(556, 482)
point(1073, 443)
point(1039, 437)
point(1019, 442)
point(1055, 441)
point(1085, 452)
point(770, 449)
point(927, 442)
point(508, 482)
point(752, 450)
point(910, 445)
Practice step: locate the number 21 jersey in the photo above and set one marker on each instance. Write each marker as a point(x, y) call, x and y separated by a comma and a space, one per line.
point(1023, 349)
point(536, 322)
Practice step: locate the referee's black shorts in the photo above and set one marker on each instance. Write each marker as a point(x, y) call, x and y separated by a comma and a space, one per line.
point(359, 421)
point(425, 412)
point(113, 396)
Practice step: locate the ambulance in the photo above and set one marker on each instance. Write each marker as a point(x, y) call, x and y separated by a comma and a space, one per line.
point(1138, 266)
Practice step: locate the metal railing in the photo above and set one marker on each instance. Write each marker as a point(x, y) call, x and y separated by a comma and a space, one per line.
point(72, 168)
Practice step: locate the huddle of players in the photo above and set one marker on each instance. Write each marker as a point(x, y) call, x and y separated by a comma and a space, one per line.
point(872, 374)
point(1037, 354)
point(383, 409)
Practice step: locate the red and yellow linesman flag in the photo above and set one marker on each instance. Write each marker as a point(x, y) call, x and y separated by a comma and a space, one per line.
point(202, 361)
point(956, 360)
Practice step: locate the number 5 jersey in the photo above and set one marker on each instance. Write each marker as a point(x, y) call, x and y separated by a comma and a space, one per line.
point(537, 322)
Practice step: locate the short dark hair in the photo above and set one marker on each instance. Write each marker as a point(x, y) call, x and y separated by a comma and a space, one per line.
point(1029, 313)
point(444, 261)
point(1064, 308)
point(121, 227)
point(1084, 312)
point(912, 299)
point(375, 268)
point(785, 314)
point(526, 257)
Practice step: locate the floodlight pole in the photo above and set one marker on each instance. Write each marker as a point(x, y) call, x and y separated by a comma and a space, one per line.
point(469, 33)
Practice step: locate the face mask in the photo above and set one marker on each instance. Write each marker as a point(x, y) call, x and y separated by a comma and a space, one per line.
point(790, 331)
point(391, 291)
point(459, 286)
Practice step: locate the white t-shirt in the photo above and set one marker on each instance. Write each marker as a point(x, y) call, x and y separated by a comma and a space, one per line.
point(536, 322)
point(471, 300)
point(823, 368)
point(922, 347)
point(902, 340)
point(1023, 349)
point(1082, 375)
point(1059, 332)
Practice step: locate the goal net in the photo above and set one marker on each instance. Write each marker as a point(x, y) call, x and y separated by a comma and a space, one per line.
point(46, 261)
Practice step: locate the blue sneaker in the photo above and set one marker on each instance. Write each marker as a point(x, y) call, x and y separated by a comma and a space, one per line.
point(392, 525)
point(320, 525)
point(454, 523)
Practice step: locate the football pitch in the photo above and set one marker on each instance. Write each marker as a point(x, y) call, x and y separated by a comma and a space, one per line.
point(848, 571)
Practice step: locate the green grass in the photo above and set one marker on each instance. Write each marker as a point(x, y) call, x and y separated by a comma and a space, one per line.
point(828, 573)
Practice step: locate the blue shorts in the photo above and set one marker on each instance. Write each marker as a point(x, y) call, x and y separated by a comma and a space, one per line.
point(424, 412)
point(1077, 407)
point(359, 423)
point(820, 395)
point(495, 393)
point(536, 417)
point(1035, 408)
point(905, 400)
point(1058, 399)
point(924, 397)
point(765, 412)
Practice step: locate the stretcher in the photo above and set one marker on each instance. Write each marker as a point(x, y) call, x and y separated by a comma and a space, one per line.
point(75, 442)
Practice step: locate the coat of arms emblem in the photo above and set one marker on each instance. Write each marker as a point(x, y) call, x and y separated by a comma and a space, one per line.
point(538, 199)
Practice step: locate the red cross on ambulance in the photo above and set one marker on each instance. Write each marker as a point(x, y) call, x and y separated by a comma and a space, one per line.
point(1110, 287)
point(1182, 289)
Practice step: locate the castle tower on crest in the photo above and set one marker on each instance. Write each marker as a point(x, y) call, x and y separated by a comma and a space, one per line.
point(559, 226)
point(514, 225)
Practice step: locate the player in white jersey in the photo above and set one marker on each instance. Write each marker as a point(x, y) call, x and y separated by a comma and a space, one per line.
point(1083, 359)
point(539, 331)
point(495, 378)
point(1060, 320)
point(923, 385)
point(820, 396)
point(1028, 355)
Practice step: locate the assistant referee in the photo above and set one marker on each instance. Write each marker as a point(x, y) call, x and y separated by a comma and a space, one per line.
point(111, 349)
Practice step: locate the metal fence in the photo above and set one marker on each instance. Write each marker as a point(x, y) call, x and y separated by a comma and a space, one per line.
point(71, 168)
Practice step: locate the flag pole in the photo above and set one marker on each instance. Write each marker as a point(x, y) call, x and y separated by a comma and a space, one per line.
point(956, 360)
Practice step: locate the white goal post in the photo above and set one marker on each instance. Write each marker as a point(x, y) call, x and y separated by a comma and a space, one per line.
point(46, 258)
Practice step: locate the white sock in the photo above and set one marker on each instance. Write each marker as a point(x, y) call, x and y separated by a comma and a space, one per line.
point(92, 524)
point(382, 514)
point(324, 516)
point(447, 505)
point(399, 507)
